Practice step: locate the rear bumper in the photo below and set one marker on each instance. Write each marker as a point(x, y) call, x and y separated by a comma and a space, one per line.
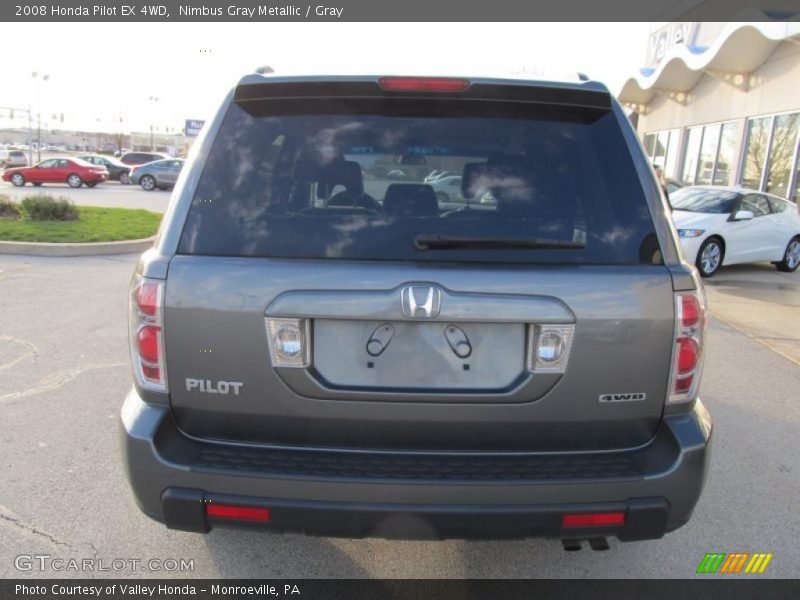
point(358, 494)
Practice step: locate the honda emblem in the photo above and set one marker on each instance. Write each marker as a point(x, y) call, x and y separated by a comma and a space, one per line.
point(421, 301)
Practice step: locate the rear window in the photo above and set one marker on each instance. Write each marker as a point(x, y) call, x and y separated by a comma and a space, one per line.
point(355, 180)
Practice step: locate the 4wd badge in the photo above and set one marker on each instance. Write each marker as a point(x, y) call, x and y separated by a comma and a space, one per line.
point(628, 397)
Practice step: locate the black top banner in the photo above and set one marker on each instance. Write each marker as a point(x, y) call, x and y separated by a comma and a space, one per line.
point(397, 10)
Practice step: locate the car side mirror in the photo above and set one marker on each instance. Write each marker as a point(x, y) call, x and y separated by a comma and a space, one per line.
point(743, 215)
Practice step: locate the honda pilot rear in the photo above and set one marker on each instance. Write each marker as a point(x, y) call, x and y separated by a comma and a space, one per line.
point(321, 342)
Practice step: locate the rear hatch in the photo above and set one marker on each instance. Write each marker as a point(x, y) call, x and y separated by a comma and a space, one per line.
point(324, 295)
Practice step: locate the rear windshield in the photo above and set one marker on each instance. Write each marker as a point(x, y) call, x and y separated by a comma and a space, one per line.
point(358, 182)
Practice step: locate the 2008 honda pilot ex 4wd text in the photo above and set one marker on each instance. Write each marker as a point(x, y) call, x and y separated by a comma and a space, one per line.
point(417, 307)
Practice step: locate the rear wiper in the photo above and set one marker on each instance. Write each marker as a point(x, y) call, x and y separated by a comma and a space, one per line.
point(427, 241)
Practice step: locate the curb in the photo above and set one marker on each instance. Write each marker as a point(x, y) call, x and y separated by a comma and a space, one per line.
point(86, 249)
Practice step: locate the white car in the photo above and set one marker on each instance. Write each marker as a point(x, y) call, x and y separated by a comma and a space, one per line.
point(726, 226)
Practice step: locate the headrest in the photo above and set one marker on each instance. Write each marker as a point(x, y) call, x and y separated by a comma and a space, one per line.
point(336, 171)
point(410, 200)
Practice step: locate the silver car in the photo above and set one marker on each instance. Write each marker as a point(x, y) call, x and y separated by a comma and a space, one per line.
point(159, 174)
point(319, 351)
point(13, 158)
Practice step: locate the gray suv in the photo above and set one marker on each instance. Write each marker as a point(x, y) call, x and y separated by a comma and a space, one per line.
point(318, 347)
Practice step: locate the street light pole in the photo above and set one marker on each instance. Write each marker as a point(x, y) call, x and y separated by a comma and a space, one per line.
point(152, 99)
point(39, 78)
point(30, 136)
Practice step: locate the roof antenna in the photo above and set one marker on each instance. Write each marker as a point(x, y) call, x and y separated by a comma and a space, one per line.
point(265, 70)
point(583, 77)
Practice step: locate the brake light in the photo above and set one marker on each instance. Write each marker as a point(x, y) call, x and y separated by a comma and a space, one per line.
point(593, 519)
point(147, 297)
point(687, 360)
point(238, 513)
point(147, 333)
point(147, 342)
point(423, 84)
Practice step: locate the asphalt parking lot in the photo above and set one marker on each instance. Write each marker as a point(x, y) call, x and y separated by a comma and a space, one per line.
point(64, 373)
point(110, 193)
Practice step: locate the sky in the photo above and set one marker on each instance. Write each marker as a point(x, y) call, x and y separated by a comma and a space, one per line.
point(101, 73)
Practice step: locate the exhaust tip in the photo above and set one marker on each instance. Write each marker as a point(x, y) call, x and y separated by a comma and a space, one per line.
point(599, 543)
point(571, 545)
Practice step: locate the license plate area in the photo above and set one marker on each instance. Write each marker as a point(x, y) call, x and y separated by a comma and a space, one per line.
point(427, 356)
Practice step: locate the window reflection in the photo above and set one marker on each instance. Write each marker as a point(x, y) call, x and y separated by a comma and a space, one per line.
point(728, 153)
point(782, 151)
point(692, 150)
point(708, 154)
point(755, 152)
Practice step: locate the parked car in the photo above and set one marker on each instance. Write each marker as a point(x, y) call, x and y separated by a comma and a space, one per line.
point(141, 158)
point(160, 174)
point(117, 170)
point(448, 189)
point(437, 174)
point(13, 158)
point(728, 225)
point(386, 368)
point(72, 171)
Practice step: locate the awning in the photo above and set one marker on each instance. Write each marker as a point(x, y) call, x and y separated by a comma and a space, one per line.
point(740, 49)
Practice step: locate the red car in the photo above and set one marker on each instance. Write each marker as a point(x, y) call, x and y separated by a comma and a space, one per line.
point(72, 171)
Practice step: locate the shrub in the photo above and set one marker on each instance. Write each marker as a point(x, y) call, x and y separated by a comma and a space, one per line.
point(42, 207)
point(8, 209)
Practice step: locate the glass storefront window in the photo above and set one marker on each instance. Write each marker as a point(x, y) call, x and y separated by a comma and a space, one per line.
point(660, 151)
point(708, 154)
point(672, 152)
point(755, 152)
point(796, 196)
point(649, 143)
point(690, 158)
point(781, 154)
point(728, 154)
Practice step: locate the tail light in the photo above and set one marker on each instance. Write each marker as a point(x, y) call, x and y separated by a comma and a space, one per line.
point(147, 333)
point(687, 359)
point(423, 84)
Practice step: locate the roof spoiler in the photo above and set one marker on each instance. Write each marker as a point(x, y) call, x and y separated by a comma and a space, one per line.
point(591, 94)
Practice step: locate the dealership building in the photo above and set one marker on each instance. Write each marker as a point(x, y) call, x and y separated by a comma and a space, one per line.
point(719, 103)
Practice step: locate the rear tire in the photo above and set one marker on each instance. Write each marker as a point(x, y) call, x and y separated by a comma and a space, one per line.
point(38, 183)
point(148, 183)
point(92, 184)
point(709, 257)
point(124, 179)
point(74, 180)
point(17, 180)
point(791, 257)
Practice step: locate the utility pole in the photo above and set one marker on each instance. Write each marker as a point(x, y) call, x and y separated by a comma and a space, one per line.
point(39, 77)
point(152, 99)
point(30, 138)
